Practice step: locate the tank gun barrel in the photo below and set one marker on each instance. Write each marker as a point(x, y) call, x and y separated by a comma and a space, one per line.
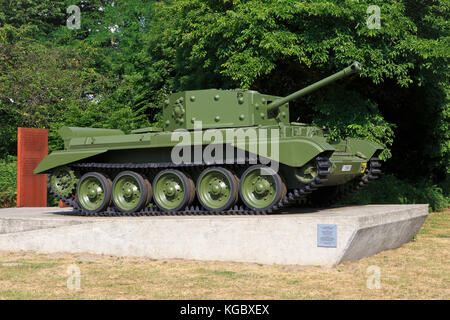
point(354, 68)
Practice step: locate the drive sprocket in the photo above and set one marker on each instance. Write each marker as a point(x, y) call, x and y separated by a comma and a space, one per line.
point(63, 181)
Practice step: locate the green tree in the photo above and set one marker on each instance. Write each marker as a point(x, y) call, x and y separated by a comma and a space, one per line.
point(48, 87)
point(279, 46)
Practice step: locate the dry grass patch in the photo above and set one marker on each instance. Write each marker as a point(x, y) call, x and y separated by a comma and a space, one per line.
point(418, 270)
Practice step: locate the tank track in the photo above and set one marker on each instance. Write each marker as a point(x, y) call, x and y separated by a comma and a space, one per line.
point(351, 187)
point(292, 196)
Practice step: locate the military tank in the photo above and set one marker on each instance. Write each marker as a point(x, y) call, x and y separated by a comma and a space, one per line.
point(219, 152)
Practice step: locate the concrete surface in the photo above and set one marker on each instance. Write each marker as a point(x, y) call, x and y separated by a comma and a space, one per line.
point(272, 239)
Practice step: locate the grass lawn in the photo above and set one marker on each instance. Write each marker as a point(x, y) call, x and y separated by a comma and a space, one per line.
point(418, 270)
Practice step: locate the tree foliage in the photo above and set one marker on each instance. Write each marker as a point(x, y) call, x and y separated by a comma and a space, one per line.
point(49, 86)
point(279, 46)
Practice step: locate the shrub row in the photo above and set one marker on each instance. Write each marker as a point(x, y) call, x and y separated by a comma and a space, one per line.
point(391, 190)
point(8, 184)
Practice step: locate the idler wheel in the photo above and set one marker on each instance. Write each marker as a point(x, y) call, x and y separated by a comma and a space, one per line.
point(94, 192)
point(261, 188)
point(217, 189)
point(131, 192)
point(173, 190)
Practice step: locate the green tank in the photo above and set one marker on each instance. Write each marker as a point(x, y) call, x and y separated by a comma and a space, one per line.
point(219, 152)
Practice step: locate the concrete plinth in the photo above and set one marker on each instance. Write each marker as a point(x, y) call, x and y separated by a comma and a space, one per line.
point(361, 231)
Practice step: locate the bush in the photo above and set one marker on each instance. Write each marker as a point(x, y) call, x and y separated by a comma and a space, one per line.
point(391, 190)
point(8, 182)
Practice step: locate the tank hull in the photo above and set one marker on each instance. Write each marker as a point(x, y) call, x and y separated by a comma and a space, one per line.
point(288, 147)
point(290, 150)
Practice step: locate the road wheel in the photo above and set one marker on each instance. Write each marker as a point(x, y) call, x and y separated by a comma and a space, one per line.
point(131, 192)
point(217, 189)
point(261, 188)
point(94, 192)
point(173, 190)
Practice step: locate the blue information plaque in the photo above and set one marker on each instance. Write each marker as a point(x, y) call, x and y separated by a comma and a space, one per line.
point(327, 235)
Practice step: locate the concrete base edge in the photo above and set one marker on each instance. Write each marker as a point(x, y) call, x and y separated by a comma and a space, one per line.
point(361, 231)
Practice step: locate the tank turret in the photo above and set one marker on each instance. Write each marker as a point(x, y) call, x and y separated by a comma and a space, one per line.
point(235, 108)
point(219, 109)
